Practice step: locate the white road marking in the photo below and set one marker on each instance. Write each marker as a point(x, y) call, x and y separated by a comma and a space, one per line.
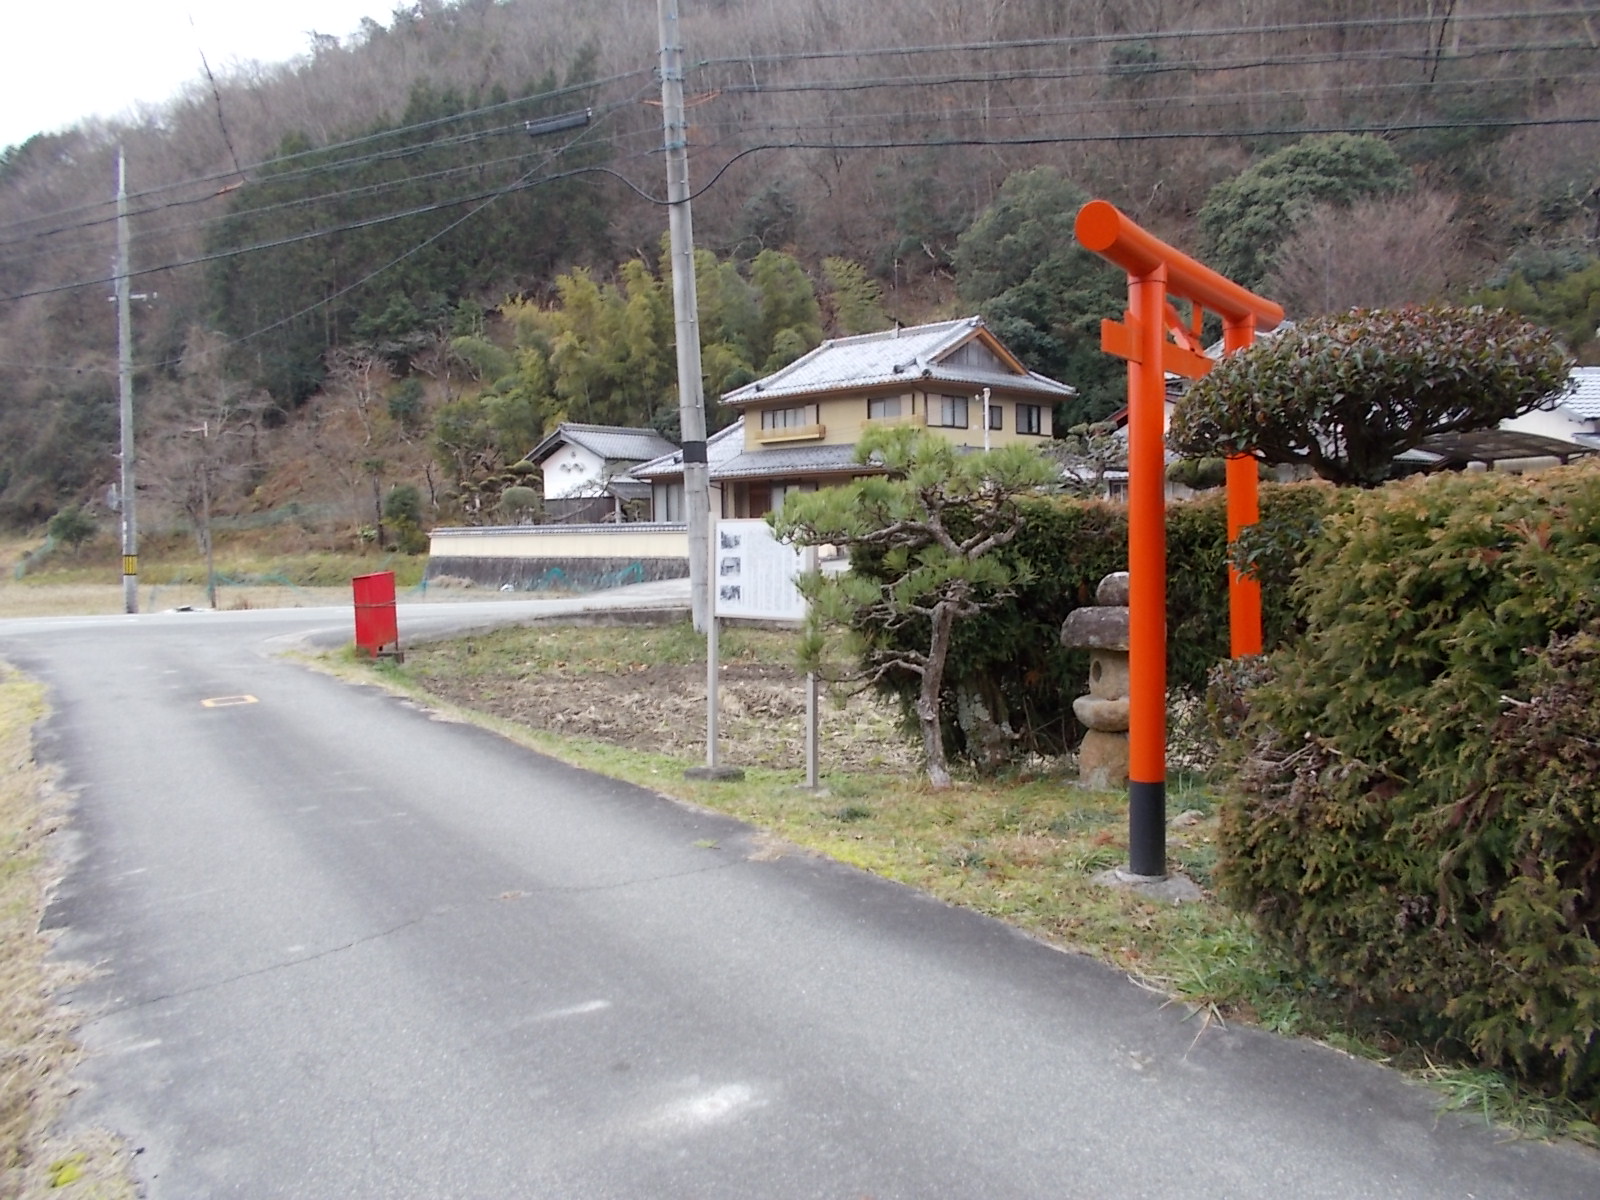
point(576, 1010)
point(708, 1108)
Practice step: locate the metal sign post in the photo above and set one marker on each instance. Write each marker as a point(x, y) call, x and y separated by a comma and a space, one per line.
point(753, 577)
point(812, 741)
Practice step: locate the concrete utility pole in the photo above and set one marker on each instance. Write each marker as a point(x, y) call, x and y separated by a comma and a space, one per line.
point(685, 307)
point(130, 528)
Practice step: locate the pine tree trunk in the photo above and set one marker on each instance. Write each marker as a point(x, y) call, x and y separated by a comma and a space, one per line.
point(944, 620)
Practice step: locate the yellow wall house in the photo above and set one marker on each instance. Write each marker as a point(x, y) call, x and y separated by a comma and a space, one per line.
point(796, 431)
point(798, 427)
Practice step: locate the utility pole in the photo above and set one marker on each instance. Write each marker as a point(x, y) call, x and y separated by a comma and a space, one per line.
point(130, 528)
point(685, 307)
point(691, 401)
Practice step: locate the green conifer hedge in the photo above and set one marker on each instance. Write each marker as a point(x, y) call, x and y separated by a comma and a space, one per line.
point(1419, 812)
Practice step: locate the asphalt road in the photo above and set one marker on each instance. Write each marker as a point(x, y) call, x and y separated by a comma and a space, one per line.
point(350, 950)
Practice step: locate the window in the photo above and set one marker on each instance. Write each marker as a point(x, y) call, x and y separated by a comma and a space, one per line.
point(782, 491)
point(883, 406)
point(1030, 418)
point(797, 417)
point(949, 411)
point(668, 501)
point(996, 415)
point(973, 355)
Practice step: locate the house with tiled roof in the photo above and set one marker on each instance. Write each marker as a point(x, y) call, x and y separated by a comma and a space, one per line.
point(796, 431)
point(1574, 417)
point(798, 427)
point(586, 470)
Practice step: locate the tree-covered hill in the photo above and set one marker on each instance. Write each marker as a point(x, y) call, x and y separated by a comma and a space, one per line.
point(341, 232)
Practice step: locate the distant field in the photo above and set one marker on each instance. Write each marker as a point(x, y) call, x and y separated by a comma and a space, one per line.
point(87, 583)
point(87, 599)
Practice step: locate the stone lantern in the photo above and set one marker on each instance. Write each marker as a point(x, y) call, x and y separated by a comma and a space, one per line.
point(1102, 629)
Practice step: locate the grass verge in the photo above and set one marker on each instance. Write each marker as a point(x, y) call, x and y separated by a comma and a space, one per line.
point(36, 1049)
point(249, 575)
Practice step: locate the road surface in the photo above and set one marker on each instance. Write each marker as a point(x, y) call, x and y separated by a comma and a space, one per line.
point(348, 949)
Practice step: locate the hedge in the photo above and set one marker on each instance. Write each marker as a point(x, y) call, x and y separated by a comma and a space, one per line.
point(1007, 666)
point(1417, 818)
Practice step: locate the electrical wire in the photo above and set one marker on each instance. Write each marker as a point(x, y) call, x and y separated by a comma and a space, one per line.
point(1113, 70)
point(1297, 131)
point(1142, 71)
point(1072, 41)
point(483, 198)
point(364, 190)
point(526, 181)
point(1067, 41)
point(287, 176)
point(1101, 105)
point(834, 146)
point(380, 135)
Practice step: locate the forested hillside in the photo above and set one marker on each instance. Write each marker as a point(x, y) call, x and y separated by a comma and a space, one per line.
point(398, 259)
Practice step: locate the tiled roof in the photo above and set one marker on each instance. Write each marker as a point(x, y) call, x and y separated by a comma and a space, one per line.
point(628, 489)
point(872, 359)
point(1585, 401)
point(728, 459)
point(721, 447)
point(614, 443)
point(790, 460)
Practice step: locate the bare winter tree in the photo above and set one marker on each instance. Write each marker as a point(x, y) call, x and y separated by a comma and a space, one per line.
point(357, 377)
point(1381, 253)
point(210, 443)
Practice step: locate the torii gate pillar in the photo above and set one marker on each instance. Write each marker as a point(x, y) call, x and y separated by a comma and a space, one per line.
point(1157, 271)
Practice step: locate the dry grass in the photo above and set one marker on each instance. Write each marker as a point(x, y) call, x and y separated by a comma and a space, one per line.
point(36, 1049)
point(644, 688)
point(51, 599)
point(249, 574)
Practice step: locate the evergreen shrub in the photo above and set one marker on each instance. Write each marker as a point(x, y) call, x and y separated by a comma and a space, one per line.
point(1008, 664)
point(1418, 817)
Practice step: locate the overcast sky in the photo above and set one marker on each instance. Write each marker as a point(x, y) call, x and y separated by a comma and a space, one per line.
point(69, 59)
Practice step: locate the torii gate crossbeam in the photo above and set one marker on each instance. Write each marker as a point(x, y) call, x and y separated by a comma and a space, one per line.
point(1157, 271)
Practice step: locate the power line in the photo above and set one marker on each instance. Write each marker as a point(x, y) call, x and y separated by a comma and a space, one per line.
point(521, 185)
point(1136, 72)
point(1100, 105)
point(525, 182)
point(1070, 41)
point(1064, 41)
point(368, 189)
point(834, 145)
point(283, 177)
point(1058, 139)
point(991, 78)
point(365, 139)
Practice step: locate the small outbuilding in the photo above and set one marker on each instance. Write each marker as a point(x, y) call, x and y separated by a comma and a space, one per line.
point(586, 472)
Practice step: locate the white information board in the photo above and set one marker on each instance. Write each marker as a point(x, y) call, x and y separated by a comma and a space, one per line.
point(754, 573)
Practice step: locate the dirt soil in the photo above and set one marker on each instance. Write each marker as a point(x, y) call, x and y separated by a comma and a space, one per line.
point(663, 709)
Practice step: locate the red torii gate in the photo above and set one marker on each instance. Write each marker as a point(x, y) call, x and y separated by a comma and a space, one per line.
point(1155, 272)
